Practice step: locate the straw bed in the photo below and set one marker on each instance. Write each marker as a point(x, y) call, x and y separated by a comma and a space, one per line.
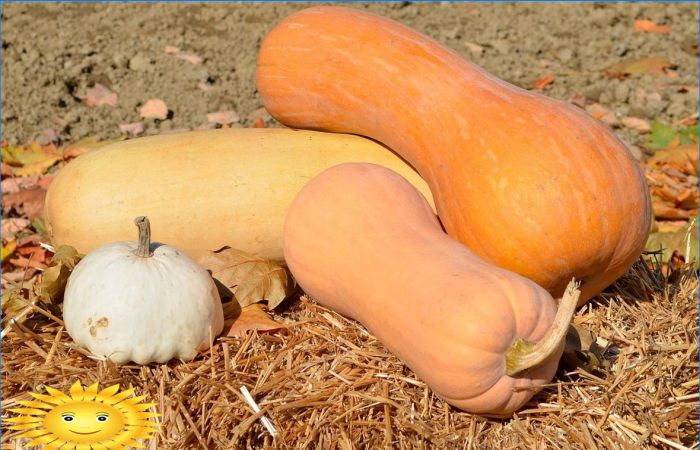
point(326, 383)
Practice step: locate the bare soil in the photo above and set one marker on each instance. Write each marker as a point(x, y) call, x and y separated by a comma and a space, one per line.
point(52, 53)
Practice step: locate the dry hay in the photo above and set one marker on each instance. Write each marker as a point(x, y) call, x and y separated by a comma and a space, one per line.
point(326, 383)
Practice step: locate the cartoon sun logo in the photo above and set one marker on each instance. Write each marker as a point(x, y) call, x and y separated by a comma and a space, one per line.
point(85, 419)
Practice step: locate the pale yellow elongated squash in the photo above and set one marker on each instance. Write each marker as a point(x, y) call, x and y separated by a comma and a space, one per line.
point(201, 190)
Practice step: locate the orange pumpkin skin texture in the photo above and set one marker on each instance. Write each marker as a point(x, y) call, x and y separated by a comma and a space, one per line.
point(527, 182)
point(362, 241)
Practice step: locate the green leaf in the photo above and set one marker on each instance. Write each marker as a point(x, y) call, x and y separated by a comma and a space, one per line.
point(689, 135)
point(661, 135)
point(40, 226)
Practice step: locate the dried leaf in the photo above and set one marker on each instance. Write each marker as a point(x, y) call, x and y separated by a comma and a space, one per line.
point(543, 81)
point(648, 26)
point(666, 210)
point(252, 317)
point(251, 279)
point(474, 48)
point(8, 249)
point(581, 350)
point(223, 117)
point(12, 226)
point(99, 95)
point(684, 241)
point(154, 109)
point(86, 145)
point(55, 277)
point(169, 49)
point(32, 160)
point(134, 129)
point(683, 156)
point(652, 66)
point(603, 114)
point(578, 99)
point(189, 57)
point(636, 123)
point(28, 202)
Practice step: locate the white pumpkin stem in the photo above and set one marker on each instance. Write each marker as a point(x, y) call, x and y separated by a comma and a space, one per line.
point(523, 355)
point(144, 248)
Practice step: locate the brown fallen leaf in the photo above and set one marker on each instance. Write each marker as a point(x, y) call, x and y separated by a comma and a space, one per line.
point(12, 226)
point(54, 278)
point(250, 279)
point(33, 261)
point(578, 99)
point(169, 49)
point(99, 95)
point(476, 49)
point(259, 123)
point(666, 210)
point(636, 123)
point(648, 26)
point(651, 66)
point(223, 117)
point(252, 317)
point(683, 241)
point(260, 113)
point(543, 81)
point(189, 57)
point(28, 202)
point(7, 170)
point(16, 184)
point(603, 114)
point(582, 350)
point(154, 109)
point(134, 129)
point(685, 157)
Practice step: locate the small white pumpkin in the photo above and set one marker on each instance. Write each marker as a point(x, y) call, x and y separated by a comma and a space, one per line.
point(128, 302)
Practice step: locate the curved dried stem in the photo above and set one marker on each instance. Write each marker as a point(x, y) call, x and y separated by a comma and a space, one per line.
point(144, 248)
point(523, 355)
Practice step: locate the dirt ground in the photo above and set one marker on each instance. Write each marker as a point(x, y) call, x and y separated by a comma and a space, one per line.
point(53, 53)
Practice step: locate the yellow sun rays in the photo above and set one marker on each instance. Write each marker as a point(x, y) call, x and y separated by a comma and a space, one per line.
point(108, 419)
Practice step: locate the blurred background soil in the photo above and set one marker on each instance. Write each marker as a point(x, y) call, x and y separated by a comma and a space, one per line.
point(53, 53)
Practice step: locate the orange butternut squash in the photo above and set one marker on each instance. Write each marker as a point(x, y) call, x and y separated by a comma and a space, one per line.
point(529, 183)
point(201, 190)
point(361, 240)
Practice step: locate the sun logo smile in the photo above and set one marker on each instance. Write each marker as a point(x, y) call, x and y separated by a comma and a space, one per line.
point(86, 419)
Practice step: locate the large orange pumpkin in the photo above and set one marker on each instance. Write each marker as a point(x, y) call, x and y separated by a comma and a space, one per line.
point(527, 182)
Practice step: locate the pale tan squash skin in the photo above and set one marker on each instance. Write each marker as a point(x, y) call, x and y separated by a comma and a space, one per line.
point(527, 182)
point(361, 240)
point(201, 190)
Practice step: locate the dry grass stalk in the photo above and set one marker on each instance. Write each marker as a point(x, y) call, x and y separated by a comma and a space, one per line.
point(326, 383)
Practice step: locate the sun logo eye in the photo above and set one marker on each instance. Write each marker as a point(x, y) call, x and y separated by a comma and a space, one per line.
point(102, 417)
point(68, 418)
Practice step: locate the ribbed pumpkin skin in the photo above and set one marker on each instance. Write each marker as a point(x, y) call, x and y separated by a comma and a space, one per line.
point(362, 241)
point(201, 190)
point(529, 183)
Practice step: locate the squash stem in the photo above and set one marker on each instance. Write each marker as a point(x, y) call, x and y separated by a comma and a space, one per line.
point(523, 355)
point(144, 248)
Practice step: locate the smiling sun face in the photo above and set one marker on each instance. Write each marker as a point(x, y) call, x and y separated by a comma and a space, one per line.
point(84, 422)
point(87, 418)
